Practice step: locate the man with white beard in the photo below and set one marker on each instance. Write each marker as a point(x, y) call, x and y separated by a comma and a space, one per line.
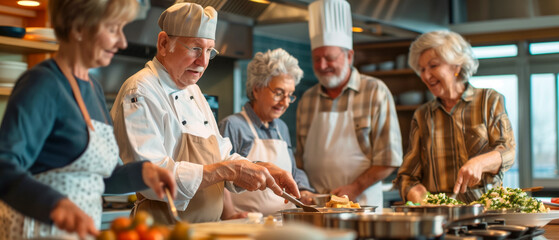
point(348, 137)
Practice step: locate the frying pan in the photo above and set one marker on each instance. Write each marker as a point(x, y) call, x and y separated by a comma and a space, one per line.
point(318, 218)
point(397, 225)
point(451, 212)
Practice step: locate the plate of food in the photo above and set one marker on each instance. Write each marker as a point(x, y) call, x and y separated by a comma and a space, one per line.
point(525, 219)
point(515, 207)
point(512, 200)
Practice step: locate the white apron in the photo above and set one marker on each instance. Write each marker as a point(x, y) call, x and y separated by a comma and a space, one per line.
point(264, 150)
point(81, 181)
point(332, 156)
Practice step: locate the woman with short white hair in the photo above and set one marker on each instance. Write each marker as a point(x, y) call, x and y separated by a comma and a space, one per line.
point(257, 132)
point(461, 142)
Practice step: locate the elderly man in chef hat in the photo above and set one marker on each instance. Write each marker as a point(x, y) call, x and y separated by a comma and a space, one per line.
point(161, 115)
point(348, 137)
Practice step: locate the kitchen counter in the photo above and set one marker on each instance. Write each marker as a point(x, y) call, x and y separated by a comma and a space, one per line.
point(551, 231)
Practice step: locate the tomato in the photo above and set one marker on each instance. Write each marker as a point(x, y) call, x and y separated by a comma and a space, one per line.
point(128, 235)
point(121, 224)
point(165, 231)
point(143, 217)
point(106, 235)
point(555, 200)
point(153, 234)
point(141, 229)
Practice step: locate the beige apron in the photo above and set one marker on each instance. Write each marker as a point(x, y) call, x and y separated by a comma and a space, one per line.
point(332, 156)
point(264, 150)
point(207, 203)
point(81, 181)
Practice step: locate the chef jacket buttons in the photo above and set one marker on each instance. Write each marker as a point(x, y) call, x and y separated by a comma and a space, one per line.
point(191, 97)
point(183, 122)
point(206, 122)
point(176, 97)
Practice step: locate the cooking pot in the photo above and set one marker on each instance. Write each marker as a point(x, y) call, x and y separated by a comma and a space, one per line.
point(398, 225)
point(451, 212)
point(317, 218)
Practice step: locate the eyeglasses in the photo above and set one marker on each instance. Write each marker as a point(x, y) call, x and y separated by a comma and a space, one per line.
point(328, 58)
point(279, 95)
point(196, 52)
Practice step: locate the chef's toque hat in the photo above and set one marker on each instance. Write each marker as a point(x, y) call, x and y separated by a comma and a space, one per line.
point(330, 24)
point(189, 20)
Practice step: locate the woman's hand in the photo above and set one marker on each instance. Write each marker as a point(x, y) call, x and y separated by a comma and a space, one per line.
point(417, 193)
point(307, 197)
point(69, 217)
point(158, 178)
point(470, 174)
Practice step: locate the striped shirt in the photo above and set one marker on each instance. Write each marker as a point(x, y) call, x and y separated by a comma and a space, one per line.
point(442, 142)
point(376, 124)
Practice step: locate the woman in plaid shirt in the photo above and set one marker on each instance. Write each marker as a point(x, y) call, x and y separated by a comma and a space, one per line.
point(462, 141)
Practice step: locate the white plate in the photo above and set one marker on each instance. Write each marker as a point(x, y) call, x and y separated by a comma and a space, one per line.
point(527, 219)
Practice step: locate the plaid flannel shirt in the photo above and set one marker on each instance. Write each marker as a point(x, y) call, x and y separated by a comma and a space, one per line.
point(376, 124)
point(442, 142)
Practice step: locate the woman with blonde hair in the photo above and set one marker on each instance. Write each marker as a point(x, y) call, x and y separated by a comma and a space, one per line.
point(57, 149)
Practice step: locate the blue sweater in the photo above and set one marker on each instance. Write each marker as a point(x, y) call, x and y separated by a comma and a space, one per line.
point(43, 129)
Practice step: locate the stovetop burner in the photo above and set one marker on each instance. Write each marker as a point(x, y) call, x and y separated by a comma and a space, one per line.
point(515, 232)
point(462, 232)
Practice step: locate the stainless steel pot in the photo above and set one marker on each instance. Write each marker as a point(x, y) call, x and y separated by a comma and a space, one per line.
point(451, 212)
point(398, 225)
point(318, 218)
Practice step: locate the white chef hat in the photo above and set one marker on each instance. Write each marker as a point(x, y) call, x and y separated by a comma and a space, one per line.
point(330, 24)
point(189, 20)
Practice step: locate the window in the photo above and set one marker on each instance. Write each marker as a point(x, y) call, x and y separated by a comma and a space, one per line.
point(544, 125)
point(508, 86)
point(544, 48)
point(498, 51)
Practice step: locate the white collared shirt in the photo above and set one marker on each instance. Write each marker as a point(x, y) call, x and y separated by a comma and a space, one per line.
point(151, 113)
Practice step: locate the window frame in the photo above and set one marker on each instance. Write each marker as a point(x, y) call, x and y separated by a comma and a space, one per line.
point(524, 65)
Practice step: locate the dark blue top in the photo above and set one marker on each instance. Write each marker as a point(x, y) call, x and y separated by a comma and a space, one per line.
point(43, 129)
point(236, 128)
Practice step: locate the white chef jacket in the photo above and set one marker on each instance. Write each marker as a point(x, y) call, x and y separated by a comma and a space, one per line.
point(150, 114)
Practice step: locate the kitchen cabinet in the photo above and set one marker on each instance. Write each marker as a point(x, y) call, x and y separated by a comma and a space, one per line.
point(34, 50)
point(390, 60)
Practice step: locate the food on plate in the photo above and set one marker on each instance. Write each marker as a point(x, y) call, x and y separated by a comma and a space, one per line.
point(555, 200)
point(440, 199)
point(141, 227)
point(341, 202)
point(501, 198)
